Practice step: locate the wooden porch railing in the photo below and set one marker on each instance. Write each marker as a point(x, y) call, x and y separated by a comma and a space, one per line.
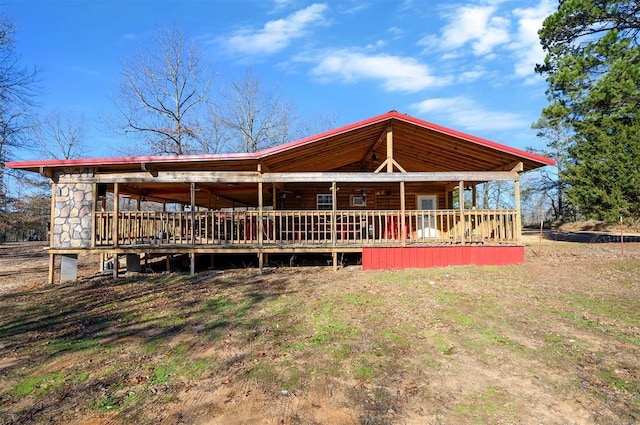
point(353, 227)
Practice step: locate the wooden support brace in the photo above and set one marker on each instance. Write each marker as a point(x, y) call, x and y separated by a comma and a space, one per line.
point(402, 170)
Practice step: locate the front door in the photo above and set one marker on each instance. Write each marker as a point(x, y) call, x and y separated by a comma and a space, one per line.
point(427, 226)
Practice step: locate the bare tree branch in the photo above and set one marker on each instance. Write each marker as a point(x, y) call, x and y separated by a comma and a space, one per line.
point(253, 117)
point(164, 94)
point(61, 136)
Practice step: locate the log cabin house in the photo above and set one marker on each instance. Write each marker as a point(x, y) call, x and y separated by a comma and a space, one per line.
point(386, 188)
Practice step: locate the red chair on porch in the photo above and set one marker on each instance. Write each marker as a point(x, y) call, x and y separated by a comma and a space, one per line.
point(251, 228)
point(393, 228)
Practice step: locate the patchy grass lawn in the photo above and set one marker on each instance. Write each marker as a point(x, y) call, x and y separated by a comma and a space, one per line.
point(554, 341)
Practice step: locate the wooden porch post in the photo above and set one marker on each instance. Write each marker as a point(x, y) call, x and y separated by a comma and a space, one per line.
point(274, 203)
point(52, 263)
point(116, 215)
point(461, 205)
point(518, 223)
point(94, 208)
point(192, 207)
point(116, 225)
point(403, 230)
point(389, 149)
point(260, 225)
point(334, 228)
point(474, 196)
point(274, 196)
point(52, 211)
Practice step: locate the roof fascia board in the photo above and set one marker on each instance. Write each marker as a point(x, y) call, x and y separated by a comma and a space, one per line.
point(312, 177)
point(147, 160)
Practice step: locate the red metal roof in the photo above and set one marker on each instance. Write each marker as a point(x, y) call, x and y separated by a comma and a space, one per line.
point(533, 159)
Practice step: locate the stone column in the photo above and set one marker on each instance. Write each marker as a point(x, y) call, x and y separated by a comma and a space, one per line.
point(72, 216)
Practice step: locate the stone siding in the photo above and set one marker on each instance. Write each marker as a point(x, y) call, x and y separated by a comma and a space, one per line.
point(72, 215)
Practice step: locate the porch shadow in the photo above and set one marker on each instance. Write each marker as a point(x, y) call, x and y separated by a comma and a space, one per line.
point(589, 237)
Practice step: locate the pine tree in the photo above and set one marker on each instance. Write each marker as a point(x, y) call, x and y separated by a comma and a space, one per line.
point(593, 70)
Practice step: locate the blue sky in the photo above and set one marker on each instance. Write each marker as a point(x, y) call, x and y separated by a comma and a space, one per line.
point(467, 65)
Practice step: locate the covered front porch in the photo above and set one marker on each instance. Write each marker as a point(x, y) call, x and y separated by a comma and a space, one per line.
point(229, 212)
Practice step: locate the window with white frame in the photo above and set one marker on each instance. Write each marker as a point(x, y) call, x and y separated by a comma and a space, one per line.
point(324, 201)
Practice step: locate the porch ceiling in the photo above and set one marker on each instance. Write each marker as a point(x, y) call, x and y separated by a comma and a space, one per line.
point(211, 195)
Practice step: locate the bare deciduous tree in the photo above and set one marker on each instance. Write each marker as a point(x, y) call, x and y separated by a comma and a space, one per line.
point(165, 94)
point(254, 118)
point(61, 136)
point(496, 194)
point(316, 124)
point(166, 99)
point(216, 137)
point(18, 87)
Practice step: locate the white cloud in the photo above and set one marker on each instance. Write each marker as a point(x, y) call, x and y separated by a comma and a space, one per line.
point(279, 4)
point(356, 8)
point(526, 47)
point(403, 74)
point(276, 35)
point(377, 45)
point(471, 76)
point(462, 112)
point(492, 31)
point(474, 25)
point(395, 32)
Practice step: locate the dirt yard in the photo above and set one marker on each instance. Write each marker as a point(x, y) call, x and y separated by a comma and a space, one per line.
point(553, 341)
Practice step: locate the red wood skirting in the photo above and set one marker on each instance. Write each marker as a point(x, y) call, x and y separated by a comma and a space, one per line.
point(386, 258)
